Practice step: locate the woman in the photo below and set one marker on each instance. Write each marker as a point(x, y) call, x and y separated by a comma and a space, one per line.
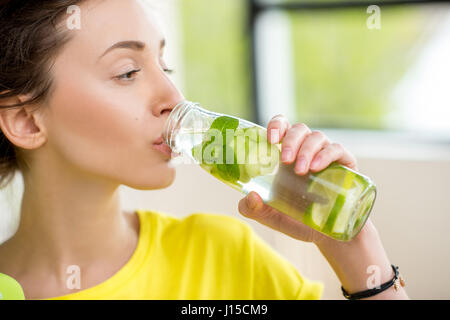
point(82, 113)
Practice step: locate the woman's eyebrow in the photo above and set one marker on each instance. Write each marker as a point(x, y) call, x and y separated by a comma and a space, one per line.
point(134, 45)
point(131, 44)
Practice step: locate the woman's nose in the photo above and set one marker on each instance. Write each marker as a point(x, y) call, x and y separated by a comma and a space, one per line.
point(170, 96)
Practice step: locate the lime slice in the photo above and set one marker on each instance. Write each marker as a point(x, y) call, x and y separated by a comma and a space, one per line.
point(336, 211)
point(308, 220)
point(358, 185)
point(323, 184)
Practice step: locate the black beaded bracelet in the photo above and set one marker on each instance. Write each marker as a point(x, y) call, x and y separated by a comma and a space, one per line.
point(397, 281)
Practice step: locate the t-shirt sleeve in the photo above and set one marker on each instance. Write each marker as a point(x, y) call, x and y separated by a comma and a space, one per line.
point(276, 278)
point(244, 259)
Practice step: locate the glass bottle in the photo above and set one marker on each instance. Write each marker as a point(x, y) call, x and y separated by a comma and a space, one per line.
point(335, 201)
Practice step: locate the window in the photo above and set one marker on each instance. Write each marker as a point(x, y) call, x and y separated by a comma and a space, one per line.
point(215, 45)
point(322, 64)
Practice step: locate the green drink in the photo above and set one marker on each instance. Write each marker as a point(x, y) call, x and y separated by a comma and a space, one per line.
point(335, 201)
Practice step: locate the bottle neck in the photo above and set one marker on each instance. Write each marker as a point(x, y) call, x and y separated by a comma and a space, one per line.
point(187, 118)
point(173, 123)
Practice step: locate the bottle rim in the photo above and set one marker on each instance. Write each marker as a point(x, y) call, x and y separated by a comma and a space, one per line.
point(176, 116)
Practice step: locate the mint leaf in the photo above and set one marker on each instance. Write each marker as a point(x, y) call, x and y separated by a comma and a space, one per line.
point(227, 171)
point(222, 123)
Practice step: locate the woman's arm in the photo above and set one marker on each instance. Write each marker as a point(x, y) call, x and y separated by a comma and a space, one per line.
point(356, 262)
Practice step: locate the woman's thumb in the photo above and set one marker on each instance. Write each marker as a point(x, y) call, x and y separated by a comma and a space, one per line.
point(251, 205)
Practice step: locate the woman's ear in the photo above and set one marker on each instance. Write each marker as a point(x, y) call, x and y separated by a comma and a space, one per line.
point(23, 126)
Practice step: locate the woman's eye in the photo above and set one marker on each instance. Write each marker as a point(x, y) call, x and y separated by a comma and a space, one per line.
point(165, 68)
point(128, 76)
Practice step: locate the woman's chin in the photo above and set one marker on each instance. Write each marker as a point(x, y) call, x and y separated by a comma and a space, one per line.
point(160, 180)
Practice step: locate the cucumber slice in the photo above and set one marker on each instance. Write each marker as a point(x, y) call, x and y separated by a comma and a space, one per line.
point(256, 133)
point(239, 132)
point(239, 146)
point(270, 159)
point(241, 158)
point(252, 167)
point(261, 157)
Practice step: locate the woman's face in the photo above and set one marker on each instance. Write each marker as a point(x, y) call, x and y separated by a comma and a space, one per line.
point(110, 100)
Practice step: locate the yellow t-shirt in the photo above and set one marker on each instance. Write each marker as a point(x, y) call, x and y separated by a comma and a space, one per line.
point(201, 256)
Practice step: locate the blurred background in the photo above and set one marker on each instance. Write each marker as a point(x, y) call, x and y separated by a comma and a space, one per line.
point(374, 78)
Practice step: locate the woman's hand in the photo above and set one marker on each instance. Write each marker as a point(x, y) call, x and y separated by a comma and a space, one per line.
point(311, 151)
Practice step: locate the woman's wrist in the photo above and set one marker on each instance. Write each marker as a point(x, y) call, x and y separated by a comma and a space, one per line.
point(361, 263)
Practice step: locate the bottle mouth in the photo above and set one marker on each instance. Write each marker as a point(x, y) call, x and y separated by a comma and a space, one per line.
point(173, 123)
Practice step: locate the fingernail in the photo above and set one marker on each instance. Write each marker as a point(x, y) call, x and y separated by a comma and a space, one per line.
point(274, 135)
point(315, 164)
point(286, 155)
point(251, 203)
point(301, 165)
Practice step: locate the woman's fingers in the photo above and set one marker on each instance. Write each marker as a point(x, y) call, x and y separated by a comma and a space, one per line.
point(277, 128)
point(253, 207)
point(333, 152)
point(292, 142)
point(311, 150)
point(308, 150)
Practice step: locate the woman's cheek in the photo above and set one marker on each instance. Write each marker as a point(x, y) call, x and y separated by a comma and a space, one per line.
point(108, 130)
point(85, 122)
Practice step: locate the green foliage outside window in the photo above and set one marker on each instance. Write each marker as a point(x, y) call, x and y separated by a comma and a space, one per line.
point(344, 72)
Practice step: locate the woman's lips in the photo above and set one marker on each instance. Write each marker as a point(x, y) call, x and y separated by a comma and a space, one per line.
point(159, 140)
point(163, 148)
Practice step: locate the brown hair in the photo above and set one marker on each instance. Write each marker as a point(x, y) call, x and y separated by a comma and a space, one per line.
point(29, 41)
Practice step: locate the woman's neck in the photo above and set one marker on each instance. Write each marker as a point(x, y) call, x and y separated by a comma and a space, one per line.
point(69, 218)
